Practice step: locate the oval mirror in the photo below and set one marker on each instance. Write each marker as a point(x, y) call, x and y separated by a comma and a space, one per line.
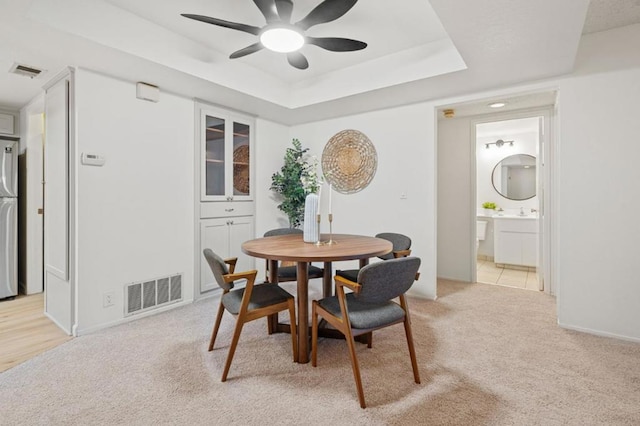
point(514, 177)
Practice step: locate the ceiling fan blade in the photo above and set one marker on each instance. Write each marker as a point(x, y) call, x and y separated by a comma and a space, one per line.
point(336, 44)
point(222, 23)
point(246, 51)
point(327, 11)
point(285, 7)
point(297, 59)
point(268, 9)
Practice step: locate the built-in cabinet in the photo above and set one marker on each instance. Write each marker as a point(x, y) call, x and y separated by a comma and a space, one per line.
point(7, 124)
point(226, 146)
point(226, 206)
point(515, 241)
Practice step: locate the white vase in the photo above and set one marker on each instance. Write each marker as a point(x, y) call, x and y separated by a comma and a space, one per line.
point(311, 226)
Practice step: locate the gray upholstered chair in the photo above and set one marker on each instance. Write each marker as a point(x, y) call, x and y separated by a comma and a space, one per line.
point(401, 248)
point(287, 272)
point(248, 303)
point(369, 307)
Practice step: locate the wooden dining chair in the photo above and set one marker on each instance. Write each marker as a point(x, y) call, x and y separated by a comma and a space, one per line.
point(287, 270)
point(401, 248)
point(369, 307)
point(248, 303)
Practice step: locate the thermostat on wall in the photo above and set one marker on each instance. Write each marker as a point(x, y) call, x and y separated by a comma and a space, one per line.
point(92, 159)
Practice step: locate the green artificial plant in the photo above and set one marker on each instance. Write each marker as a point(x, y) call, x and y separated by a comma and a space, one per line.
point(489, 205)
point(297, 179)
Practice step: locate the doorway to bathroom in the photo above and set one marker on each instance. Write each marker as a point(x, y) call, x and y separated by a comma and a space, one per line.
point(460, 207)
point(508, 188)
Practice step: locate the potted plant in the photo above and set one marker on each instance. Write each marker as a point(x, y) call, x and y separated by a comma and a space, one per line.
point(297, 179)
point(489, 207)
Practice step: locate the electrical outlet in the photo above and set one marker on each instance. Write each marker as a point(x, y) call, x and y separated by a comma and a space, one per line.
point(108, 299)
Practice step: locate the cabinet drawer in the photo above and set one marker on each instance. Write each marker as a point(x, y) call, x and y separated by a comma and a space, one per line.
point(226, 209)
point(516, 225)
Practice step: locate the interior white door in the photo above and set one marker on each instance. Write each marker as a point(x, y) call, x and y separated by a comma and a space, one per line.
point(58, 292)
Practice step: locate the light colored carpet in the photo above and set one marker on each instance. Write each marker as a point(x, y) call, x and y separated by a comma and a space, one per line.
point(487, 355)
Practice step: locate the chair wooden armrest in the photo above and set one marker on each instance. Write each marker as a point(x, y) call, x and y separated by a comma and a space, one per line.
point(246, 275)
point(232, 263)
point(401, 253)
point(343, 282)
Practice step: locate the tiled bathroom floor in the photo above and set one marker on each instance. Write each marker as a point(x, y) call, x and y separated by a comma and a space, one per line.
point(489, 273)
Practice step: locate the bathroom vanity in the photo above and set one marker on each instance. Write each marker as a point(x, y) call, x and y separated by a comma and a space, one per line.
point(515, 239)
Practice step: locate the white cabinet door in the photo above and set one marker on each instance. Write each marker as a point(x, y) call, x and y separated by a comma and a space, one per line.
point(529, 249)
point(241, 230)
point(226, 149)
point(214, 234)
point(509, 248)
point(225, 237)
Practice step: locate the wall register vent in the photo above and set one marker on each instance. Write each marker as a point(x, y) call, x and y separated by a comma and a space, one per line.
point(25, 70)
point(152, 294)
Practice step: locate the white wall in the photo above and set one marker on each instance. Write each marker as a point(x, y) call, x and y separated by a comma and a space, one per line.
point(598, 203)
point(403, 138)
point(272, 139)
point(135, 214)
point(455, 168)
point(595, 180)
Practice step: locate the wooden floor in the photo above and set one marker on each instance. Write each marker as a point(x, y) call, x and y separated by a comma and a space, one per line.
point(25, 331)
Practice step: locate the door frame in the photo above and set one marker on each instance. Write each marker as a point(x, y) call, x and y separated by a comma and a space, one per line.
point(545, 268)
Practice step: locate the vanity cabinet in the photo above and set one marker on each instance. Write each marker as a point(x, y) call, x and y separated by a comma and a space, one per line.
point(225, 182)
point(515, 241)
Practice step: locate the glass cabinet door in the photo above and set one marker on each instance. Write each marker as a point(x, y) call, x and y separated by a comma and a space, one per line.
point(226, 145)
point(241, 156)
point(214, 156)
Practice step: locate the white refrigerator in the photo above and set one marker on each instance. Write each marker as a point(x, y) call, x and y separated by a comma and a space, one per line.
point(8, 217)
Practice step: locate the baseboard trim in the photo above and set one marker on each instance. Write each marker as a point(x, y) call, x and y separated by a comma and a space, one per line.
point(124, 320)
point(60, 326)
point(599, 333)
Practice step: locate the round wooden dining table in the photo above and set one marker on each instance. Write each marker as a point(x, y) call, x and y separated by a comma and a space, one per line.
point(292, 248)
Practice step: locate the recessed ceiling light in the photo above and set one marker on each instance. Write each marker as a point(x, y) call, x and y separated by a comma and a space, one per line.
point(497, 105)
point(282, 40)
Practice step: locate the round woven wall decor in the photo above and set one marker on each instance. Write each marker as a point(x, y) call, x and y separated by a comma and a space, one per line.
point(349, 161)
point(241, 169)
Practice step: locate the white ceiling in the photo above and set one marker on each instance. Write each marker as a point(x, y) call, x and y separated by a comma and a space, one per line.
point(418, 51)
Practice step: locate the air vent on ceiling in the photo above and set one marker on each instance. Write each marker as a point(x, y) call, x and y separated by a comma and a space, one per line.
point(25, 70)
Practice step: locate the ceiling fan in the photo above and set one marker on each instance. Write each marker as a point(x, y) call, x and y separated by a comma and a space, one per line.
point(280, 35)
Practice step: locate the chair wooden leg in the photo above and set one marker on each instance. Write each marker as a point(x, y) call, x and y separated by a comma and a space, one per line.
point(412, 351)
point(294, 328)
point(216, 326)
point(370, 339)
point(314, 334)
point(232, 348)
point(356, 368)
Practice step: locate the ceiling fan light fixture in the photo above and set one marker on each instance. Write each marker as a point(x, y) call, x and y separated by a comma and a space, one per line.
point(282, 39)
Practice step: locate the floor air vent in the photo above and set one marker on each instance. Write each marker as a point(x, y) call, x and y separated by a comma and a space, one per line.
point(147, 295)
